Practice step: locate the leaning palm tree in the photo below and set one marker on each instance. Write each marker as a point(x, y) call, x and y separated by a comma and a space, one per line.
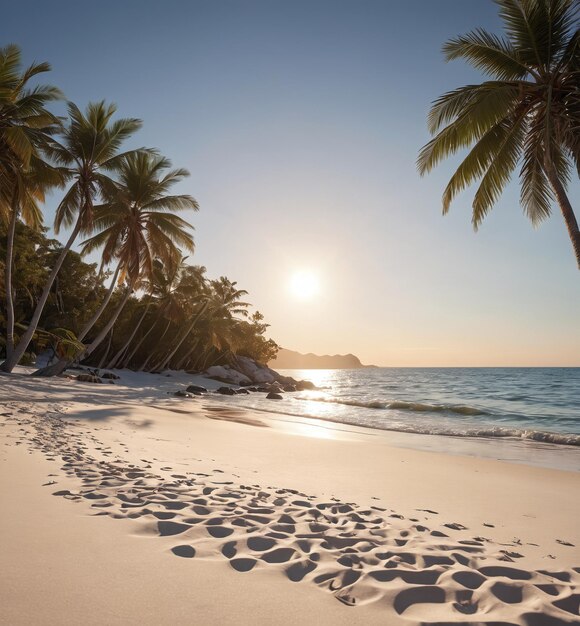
point(25, 126)
point(218, 326)
point(89, 151)
point(135, 225)
point(165, 289)
point(528, 113)
point(192, 295)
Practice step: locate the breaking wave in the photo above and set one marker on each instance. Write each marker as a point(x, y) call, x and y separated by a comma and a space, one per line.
point(417, 407)
point(486, 432)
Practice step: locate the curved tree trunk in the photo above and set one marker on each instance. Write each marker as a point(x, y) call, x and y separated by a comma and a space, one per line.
point(146, 362)
point(101, 308)
point(106, 352)
point(201, 311)
point(122, 351)
point(205, 360)
point(183, 360)
point(127, 359)
point(20, 349)
point(565, 207)
point(8, 286)
point(99, 338)
point(59, 367)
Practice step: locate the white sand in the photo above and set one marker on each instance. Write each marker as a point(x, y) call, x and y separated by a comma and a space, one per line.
point(134, 465)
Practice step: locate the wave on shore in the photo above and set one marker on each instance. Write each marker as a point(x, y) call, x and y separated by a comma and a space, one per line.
point(418, 407)
point(483, 432)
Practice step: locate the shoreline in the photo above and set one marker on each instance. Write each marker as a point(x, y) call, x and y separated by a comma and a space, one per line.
point(393, 533)
point(506, 449)
point(142, 386)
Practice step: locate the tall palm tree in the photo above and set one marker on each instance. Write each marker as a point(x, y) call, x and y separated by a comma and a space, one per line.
point(219, 325)
point(528, 113)
point(188, 300)
point(89, 151)
point(137, 224)
point(25, 126)
point(164, 288)
point(145, 304)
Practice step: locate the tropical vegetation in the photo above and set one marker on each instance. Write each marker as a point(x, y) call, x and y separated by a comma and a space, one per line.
point(145, 307)
point(527, 114)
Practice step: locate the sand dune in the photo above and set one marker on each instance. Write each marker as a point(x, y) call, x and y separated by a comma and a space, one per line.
point(170, 473)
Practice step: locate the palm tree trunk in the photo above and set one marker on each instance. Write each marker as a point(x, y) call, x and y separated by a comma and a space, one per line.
point(20, 349)
point(152, 354)
point(184, 336)
point(187, 355)
point(8, 286)
point(205, 359)
point(565, 208)
point(103, 306)
point(99, 338)
point(127, 360)
point(59, 367)
point(106, 352)
point(122, 351)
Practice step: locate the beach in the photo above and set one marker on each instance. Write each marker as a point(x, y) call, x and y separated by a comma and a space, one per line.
point(124, 504)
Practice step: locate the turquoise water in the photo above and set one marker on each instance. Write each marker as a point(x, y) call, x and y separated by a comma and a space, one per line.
point(536, 404)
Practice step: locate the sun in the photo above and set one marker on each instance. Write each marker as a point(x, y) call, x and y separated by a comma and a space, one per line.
point(304, 284)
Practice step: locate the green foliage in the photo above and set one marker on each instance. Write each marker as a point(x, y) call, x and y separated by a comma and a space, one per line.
point(25, 128)
point(166, 311)
point(62, 341)
point(528, 114)
point(172, 296)
point(253, 342)
point(136, 222)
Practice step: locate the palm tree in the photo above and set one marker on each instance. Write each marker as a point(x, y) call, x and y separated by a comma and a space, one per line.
point(88, 151)
point(25, 126)
point(219, 325)
point(187, 300)
point(528, 113)
point(161, 288)
point(120, 354)
point(135, 225)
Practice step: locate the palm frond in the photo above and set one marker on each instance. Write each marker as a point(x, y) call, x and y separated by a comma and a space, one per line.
point(489, 53)
point(65, 211)
point(172, 203)
point(535, 194)
point(500, 169)
point(485, 110)
point(475, 164)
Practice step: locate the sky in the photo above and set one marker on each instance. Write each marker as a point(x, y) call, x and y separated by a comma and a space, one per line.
point(300, 123)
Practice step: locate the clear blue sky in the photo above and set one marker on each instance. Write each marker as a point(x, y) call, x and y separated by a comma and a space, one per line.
point(300, 123)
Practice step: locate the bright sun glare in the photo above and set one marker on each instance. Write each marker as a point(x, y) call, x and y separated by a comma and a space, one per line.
point(304, 284)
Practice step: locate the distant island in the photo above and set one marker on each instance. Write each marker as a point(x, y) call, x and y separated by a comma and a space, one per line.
point(289, 359)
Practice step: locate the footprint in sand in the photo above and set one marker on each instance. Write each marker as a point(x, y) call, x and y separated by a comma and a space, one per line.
point(359, 554)
point(185, 551)
point(243, 564)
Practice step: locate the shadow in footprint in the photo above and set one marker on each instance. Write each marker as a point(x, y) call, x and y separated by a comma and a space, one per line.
point(471, 580)
point(243, 565)
point(297, 571)
point(260, 544)
point(571, 604)
point(508, 572)
point(541, 619)
point(166, 529)
point(418, 595)
point(219, 532)
point(510, 594)
point(185, 551)
point(280, 555)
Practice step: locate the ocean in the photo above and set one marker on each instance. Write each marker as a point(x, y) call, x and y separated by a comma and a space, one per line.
point(533, 405)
